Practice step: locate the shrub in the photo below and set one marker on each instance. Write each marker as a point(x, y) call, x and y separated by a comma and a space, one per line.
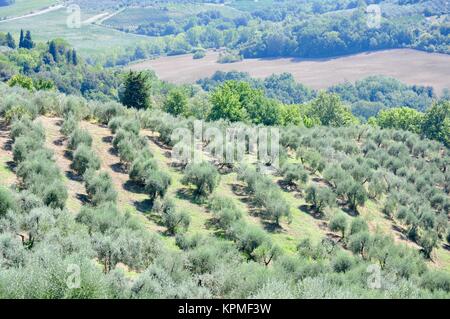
point(115, 123)
point(342, 262)
point(107, 111)
point(428, 242)
point(143, 164)
point(55, 195)
point(358, 243)
point(6, 201)
point(70, 124)
point(79, 136)
point(99, 188)
point(156, 183)
point(295, 173)
point(436, 280)
point(131, 125)
point(225, 211)
point(358, 225)
point(267, 252)
point(25, 126)
point(271, 199)
point(320, 198)
point(24, 145)
point(204, 176)
point(339, 224)
point(355, 193)
point(247, 237)
point(199, 54)
point(84, 159)
point(174, 221)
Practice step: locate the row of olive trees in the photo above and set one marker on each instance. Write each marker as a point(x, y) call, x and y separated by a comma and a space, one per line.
point(35, 167)
point(86, 163)
point(265, 194)
point(397, 169)
point(143, 170)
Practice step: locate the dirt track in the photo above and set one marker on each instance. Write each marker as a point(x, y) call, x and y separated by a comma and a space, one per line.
point(409, 66)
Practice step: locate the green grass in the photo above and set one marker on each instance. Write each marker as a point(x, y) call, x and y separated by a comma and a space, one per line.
point(165, 13)
point(89, 40)
point(251, 5)
point(5, 173)
point(22, 7)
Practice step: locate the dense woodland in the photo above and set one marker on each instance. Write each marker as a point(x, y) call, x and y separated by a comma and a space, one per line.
point(372, 150)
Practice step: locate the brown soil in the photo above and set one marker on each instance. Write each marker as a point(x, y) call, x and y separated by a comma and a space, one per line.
point(408, 66)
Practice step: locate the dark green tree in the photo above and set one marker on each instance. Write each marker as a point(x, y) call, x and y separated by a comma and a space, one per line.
point(21, 39)
point(176, 102)
point(10, 42)
point(136, 92)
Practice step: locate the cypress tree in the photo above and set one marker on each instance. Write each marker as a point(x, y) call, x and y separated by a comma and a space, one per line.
point(27, 42)
point(74, 57)
point(53, 51)
point(10, 41)
point(21, 39)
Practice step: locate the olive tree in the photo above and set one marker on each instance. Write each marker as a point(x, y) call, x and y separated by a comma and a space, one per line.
point(295, 174)
point(320, 198)
point(339, 223)
point(99, 187)
point(6, 201)
point(156, 183)
point(79, 136)
point(204, 176)
point(84, 158)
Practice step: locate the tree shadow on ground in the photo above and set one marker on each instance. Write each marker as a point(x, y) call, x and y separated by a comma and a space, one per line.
point(349, 211)
point(286, 186)
point(113, 151)
point(59, 141)
point(8, 145)
point(11, 166)
point(145, 206)
point(307, 209)
point(118, 168)
point(400, 231)
point(107, 139)
point(238, 190)
point(159, 143)
point(133, 187)
point(83, 198)
point(272, 227)
point(189, 195)
point(68, 154)
point(73, 176)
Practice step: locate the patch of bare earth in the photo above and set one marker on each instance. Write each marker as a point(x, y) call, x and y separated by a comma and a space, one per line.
point(407, 65)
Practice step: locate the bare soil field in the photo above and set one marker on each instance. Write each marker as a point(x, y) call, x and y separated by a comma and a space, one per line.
point(406, 65)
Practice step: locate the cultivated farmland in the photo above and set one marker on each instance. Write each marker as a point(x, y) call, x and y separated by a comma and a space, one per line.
point(409, 66)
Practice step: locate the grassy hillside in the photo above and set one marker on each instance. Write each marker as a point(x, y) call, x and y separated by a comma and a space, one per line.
point(91, 40)
point(22, 7)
